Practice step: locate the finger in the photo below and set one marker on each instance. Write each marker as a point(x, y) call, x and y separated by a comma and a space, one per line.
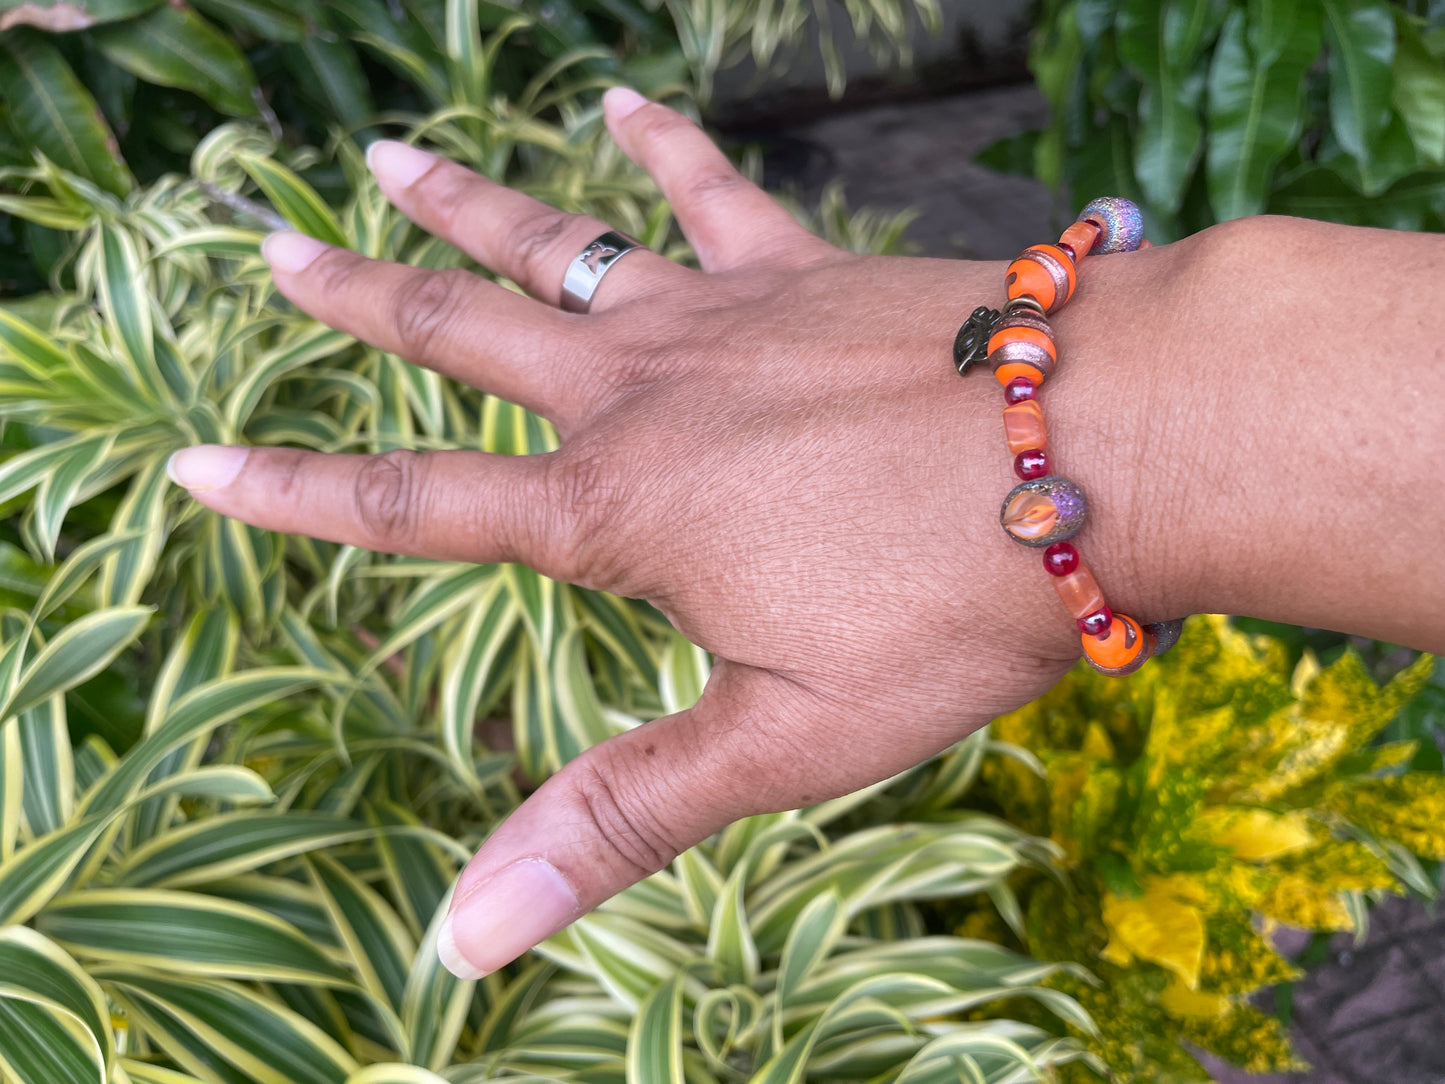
point(452, 321)
point(729, 221)
point(618, 813)
point(516, 236)
point(452, 505)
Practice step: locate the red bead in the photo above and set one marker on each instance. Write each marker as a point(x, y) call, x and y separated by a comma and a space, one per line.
point(1097, 623)
point(1018, 390)
point(1069, 249)
point(1031, 464)
point(1060, 559)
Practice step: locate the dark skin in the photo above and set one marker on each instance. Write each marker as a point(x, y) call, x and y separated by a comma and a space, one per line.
point(777, 452)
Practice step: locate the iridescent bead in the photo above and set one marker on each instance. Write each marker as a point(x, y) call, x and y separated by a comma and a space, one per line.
point(1022, 345)
point(1018, 390)
point(1043, 272)
point(1031, 464)
point(1023, 427)
point(1044, 511)
point(1060, 559)
point(1119, 219)
point(1165, 634)
point(1121, 649)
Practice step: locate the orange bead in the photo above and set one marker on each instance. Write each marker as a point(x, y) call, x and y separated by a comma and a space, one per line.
point(1081, 237)
point(1079, 592)
point(1043, 272)
point(1023, 427)
point(1121, 650)
point(1028, 335)
point(1031, 373)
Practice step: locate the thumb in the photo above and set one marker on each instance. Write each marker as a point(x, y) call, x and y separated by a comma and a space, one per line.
point(618, 813)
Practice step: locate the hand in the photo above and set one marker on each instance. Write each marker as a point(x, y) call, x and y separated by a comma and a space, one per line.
point(775, 451)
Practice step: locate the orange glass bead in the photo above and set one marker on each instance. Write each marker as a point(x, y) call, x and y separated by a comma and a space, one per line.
point(1023, 427)
point(1079, 592)
point(1043, 272)
point(1081, 237)
point(1121, 650)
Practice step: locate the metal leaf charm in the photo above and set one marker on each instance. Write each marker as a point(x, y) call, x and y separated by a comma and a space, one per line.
point(970, 346)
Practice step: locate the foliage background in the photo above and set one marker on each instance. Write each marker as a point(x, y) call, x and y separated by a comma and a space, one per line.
point(240, 771)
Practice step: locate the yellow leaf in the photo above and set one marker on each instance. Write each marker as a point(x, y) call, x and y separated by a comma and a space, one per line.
point(1157, 927)
point(1257, 834)
point(1097, 743)
point(1297, 901)
point(1180, 1000)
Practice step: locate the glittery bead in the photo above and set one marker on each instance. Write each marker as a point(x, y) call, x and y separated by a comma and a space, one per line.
point(1096, 623)
point(1019, 390)
point(1121, 649)
point(1120, 221)
point(1165, 634)
point(1080, 238)
point(1023, 427)
point(1060, 559)
point(1044, 511)
point(1043, 272)
point(1031, 464)
point(1022, 345)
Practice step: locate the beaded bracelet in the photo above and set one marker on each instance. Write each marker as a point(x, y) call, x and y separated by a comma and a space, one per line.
point(1045, 509)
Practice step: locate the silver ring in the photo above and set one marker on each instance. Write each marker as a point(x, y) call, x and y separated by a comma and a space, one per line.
point(586, 271)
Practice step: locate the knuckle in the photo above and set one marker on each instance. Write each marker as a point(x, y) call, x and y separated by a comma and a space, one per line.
point(534, 239)
point(386, 496)
point(586, 505)
point(713, 186)
point(335, 269)
point(624, 812)
point(426, 305)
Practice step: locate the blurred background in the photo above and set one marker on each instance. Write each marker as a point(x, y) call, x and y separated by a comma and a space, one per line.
point(238, 772)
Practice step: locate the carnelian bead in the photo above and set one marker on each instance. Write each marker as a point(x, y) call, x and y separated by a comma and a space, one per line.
point(1019, 390)
point(1079, 592)
point(1096, 623)
point(1031, 464)
point(1121, 649)
point(1080, 237)
point(1060, 559)
point(1023, 427)
point(1043, 272)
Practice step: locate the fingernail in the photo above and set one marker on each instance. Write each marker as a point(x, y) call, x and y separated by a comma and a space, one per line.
point(206, 466)
point(620, 102)
point(290, 251)
point(397, 165)
point(522, 905)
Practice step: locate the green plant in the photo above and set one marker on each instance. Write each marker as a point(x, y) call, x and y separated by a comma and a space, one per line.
point(1218, 789)
point(1206, 110)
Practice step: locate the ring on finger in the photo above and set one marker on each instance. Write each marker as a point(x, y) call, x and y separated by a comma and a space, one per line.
point(587, 268)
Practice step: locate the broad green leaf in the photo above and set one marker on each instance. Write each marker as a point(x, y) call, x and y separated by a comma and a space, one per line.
point(683, 673)
point(435, 1002)
point(77, 568)
point(30, 346)
point(42, 1044)
point(175, 47)
point(79, 651)
point(62, 485)
point(813, 936)
point(296, 200)
point(1361, 38)
point(233, 843)
point(730, 940)
point(654, 1045)
point(185, 933)
point(142, 1072)
point(468, 665)
point(395, 1074)
point(52, 111)
point(1419, 94)
point(1256, 101)
point(247, 1034)
point(36, 873)
point(12, 787)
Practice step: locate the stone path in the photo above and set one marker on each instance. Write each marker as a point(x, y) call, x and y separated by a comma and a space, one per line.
point(1368, 1015)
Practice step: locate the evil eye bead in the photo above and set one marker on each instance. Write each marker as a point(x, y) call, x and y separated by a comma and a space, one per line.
point(1120, 220)
point(1044, 511)
point(1121, 649)
point(1022, 346)
point(1043, 272)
